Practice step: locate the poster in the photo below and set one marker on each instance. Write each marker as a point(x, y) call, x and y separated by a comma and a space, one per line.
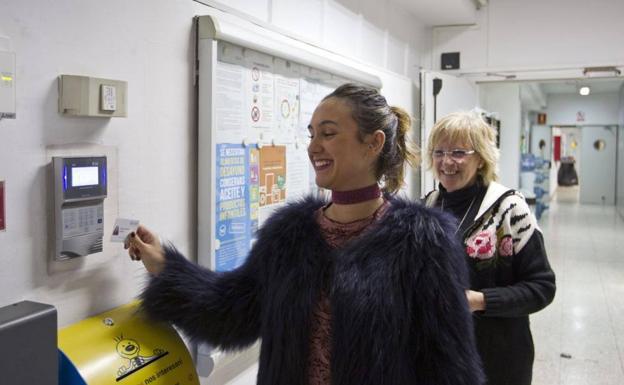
point(286, 101)
point(260, 104)
point(298, 172)
point(272, 187)
point(231, 125)
point(311, 94)
point(309, 100)
point(233, 221)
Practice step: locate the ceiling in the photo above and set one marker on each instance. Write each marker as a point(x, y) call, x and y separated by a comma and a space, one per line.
point(442, 12)
point(597, 86)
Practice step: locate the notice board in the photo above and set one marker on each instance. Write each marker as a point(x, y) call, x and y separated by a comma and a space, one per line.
point(256, 95)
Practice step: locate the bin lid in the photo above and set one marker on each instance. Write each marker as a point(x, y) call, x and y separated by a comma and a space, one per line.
point(122, 346)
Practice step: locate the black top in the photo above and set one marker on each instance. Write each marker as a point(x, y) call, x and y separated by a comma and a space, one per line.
point(463, 202)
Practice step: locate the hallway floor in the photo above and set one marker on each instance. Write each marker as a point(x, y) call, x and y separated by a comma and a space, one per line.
point(579, 338)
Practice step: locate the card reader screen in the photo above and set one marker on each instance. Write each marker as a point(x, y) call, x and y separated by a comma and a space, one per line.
point(84, 176)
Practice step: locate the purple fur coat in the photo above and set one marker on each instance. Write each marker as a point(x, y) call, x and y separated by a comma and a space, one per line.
point(399, 312)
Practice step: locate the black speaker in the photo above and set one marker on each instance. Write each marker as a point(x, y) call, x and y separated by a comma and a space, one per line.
point(450, 61)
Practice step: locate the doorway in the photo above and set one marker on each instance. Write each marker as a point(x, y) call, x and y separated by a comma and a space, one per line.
point(598, 171)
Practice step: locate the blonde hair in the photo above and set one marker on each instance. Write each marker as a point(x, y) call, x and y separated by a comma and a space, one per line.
point(470, 128)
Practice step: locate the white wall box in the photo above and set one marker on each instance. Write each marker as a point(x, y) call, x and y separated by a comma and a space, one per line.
point(88, 96)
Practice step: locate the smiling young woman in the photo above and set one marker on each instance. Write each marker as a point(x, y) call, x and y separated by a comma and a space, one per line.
point(364, 289)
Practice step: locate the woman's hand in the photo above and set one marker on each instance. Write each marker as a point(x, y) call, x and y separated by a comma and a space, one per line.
point(143, 245)
point(476, 300)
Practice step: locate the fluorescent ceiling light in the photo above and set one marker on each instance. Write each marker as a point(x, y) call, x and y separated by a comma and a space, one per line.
point(607, 71)
point(584, 90)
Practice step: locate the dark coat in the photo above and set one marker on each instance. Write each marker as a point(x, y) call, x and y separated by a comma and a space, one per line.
point(399, 311)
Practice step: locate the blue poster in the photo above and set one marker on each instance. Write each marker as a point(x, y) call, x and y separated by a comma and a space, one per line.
point(233, 210)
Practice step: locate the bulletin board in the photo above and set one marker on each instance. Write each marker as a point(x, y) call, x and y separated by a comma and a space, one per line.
point(257, 91)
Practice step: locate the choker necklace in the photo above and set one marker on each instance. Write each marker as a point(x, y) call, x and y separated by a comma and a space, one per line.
point(465, 214)
point(356, 196)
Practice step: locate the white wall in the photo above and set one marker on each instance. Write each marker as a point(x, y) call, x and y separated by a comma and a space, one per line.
point(379, 33)
point(513, 34)
point(149, 44)
point(596, 109)
point(504, 99)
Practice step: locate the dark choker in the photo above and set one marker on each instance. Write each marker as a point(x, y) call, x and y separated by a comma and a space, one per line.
point(356, 196)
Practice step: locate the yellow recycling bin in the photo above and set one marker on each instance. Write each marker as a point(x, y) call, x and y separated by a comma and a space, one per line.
point(123, 347)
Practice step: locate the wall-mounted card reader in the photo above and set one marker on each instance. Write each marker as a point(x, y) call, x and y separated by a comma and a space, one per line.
point(79, 192)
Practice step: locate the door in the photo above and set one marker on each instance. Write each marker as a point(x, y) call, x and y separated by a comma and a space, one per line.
point(597, 172)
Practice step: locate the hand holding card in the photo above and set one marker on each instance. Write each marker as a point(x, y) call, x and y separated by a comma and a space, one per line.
point(123, 227)
point(143, 245)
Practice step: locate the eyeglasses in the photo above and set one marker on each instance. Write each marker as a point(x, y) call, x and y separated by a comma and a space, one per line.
point(456, 154)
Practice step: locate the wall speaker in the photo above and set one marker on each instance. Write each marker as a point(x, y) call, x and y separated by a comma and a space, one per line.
point(450, 61)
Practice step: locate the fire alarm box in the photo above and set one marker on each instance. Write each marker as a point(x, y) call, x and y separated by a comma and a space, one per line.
point(88, 96)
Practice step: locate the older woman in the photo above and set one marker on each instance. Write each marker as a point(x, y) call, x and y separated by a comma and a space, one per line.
point(510, 274)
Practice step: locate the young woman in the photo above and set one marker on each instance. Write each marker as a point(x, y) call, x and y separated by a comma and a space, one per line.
point(510, 274)
point(363, 289)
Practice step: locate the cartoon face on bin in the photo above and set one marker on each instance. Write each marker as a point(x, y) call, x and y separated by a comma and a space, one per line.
point(128, 348)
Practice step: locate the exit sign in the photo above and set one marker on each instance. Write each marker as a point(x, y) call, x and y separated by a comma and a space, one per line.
point(2, 205)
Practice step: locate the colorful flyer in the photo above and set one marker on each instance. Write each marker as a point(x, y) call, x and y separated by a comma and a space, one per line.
point(272, 175)
point(233, 219)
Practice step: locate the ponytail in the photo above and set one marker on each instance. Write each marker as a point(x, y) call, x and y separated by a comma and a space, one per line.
point(405, 151)
point(371, 112)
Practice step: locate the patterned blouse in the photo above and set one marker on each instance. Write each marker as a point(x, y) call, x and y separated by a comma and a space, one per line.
point(336, 235)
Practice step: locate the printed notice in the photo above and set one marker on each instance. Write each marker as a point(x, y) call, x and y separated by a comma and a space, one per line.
point(309, 100)
point(233, 227)
point(298, 172)
point(286, 100)
point(229, 101)
point(259, 75)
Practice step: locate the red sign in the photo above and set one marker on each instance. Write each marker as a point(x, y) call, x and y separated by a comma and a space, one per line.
point(2, 216)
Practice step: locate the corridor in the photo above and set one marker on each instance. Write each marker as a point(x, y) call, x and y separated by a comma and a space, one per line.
point(579, 338)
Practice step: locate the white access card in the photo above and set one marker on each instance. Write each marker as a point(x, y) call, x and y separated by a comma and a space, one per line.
point(122, 228)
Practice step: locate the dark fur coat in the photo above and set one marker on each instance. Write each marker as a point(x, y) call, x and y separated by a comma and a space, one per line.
point(399, 311)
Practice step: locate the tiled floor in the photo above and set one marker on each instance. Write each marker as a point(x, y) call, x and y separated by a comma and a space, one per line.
point(579, 338)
